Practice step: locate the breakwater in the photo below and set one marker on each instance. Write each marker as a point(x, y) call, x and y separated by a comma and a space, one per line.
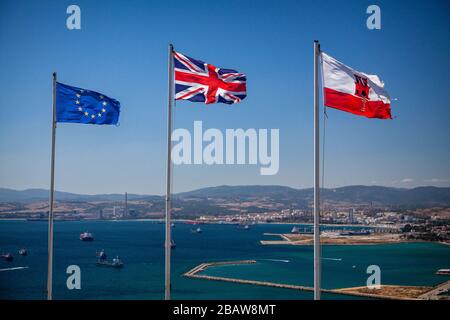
point(391, 292)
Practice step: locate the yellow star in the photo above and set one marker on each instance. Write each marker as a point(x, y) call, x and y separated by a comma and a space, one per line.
point(93, 116)
point(101, 97)
point(99, 115)
point(104, 103)
point(78, 95)
point(77, 102)
point(86, 113)
point(80, 109)
point(103, 110)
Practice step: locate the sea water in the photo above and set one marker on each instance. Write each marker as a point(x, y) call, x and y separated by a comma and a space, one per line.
point(140, 245)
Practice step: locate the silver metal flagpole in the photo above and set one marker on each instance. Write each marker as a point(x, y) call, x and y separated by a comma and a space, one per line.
point(52, 191)
point(317, 266)
point(168, 177)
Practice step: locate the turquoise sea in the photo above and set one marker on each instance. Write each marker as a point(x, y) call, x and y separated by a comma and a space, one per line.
point(140, 246)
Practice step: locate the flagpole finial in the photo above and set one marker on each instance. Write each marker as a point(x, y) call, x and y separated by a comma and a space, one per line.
point(54, 75)
point(318, 44)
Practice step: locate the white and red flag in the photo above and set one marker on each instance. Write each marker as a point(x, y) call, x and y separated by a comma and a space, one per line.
point(352, 91)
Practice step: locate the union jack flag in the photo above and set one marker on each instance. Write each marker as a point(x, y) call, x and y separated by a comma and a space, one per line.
point(198, 81)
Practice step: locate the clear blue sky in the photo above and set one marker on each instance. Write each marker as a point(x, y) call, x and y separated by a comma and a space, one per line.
point(121, 51)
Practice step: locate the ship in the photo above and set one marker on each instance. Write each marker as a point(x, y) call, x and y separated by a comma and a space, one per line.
point(7, 256)
point(101, 255)
point(297, 230)
point(86, 236)
point(103, 262)
point(443, 272)
point(23, 252)
point(198, 230)
point(115, 263)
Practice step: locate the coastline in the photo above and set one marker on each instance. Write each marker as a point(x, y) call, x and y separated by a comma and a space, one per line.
point(205, 222)
point(302, 240)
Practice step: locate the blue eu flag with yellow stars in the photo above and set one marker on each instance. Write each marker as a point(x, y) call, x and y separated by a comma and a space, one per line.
point(85, 106)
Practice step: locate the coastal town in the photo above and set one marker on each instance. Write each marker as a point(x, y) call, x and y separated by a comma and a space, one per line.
point(403, 223)
point(382, 227)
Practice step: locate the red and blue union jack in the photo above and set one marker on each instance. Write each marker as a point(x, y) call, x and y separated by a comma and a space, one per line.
point(198, 81)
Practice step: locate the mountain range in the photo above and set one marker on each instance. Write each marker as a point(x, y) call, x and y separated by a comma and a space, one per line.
point(30, 195)
point(377, 195)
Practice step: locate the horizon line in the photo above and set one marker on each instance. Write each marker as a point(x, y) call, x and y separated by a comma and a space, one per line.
point(226, 185)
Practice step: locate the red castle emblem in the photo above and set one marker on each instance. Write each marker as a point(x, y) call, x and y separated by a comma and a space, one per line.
point(362, 90)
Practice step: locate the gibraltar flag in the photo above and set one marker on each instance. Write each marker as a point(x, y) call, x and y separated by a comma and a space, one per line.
point(353, 91)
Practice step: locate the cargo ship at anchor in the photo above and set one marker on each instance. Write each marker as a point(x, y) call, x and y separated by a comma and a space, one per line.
point(86, 236)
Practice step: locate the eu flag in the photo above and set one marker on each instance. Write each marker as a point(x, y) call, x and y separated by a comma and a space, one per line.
point(85, 106)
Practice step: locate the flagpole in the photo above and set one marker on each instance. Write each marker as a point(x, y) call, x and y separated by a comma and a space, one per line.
point(317, 266)
point(168, 178)
point(52, 191)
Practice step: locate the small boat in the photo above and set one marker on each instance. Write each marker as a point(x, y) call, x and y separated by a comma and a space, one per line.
point(23, 252)
point(86, 236)
point(295, 230)
point(198, 230)
point(7, 256)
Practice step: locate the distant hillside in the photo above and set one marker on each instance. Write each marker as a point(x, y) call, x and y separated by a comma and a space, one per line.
point(384, 196)
point(241, 191)
point(30, 195)
point(417, 197)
